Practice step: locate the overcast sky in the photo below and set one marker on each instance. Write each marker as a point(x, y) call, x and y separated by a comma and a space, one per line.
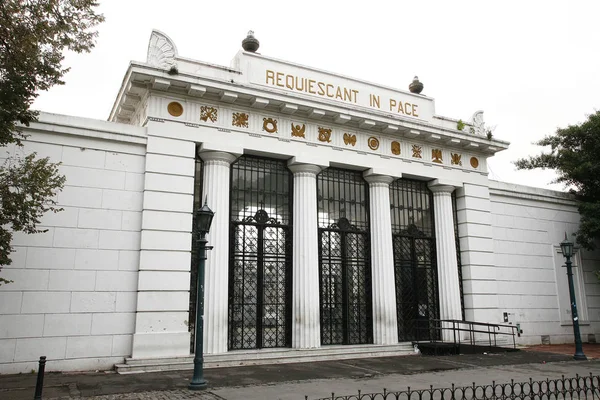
point(532, 66)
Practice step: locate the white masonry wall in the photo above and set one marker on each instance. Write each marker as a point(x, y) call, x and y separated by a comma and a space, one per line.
point(528, 225)
point(74, 294)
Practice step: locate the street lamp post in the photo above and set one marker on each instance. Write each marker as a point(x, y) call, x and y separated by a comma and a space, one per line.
point(204, 218)
point(567, 249)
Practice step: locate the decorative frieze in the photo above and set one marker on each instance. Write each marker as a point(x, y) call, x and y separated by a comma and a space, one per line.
point(175, 109)
point(208, 113)
point(324, 134)
point(373, 143)
point(270, 125)
point(349, 140)
point(417, 151)
point(240, 119)
point(298, 131)
point(436, 156)
point(260, 125)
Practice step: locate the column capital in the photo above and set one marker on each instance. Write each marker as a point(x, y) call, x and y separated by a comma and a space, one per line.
point(374, 179)
point(217, 157)
point(437, 188)
point(298, 168)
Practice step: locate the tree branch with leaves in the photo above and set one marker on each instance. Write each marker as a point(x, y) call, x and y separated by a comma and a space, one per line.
point(574, 155)
point(34, 34)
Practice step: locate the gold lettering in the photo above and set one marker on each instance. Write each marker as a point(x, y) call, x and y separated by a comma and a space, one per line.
point(392, 104)
point(347, 94)
point(298, 87)
point(414, 110)
point(355, 92)
point(288, 79)
point(400, 109)
point(338, 93)
point(374, 101)
point(329, 86)
point(407, 108)
point(280, 79)
point(310, 86)
point(271, 74)
point(321, 88)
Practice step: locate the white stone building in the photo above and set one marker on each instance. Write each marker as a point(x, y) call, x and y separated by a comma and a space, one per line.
point(346, 212)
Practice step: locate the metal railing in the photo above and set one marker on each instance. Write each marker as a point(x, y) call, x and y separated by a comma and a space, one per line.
point(578, 387)
point(460, 332)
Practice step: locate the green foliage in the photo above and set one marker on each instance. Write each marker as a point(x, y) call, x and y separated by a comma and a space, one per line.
point(574, 153)
point(460, 125)
point(33, 37)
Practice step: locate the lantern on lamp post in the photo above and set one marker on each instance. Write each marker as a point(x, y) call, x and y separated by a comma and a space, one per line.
point(567, 250)
point(204, 217)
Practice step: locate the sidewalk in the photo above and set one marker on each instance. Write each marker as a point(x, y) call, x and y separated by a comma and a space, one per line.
point(317, 379)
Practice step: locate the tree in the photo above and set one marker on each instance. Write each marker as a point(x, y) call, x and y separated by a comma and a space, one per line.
point(33, 37)
point(574, 155)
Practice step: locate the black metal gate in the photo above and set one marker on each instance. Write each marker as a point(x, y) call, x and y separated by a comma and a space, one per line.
point(261, 249)
point(417, 298)
point(344, 258)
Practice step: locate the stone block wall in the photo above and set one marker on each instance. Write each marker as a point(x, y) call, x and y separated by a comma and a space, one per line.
point(528, 226)
point(74, 293)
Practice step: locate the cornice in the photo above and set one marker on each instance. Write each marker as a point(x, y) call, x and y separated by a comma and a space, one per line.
point(145, 78)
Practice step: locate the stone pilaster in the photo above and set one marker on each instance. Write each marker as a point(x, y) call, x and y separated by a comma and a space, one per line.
point(385, 324)
point(306, 327)
point(447, 264)
point(215, 188)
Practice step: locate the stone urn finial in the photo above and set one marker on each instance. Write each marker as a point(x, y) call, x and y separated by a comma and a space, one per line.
point(251, 43)
point(416, 86)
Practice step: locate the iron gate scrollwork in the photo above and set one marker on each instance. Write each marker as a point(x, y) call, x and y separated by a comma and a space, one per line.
point(260, 266)
point(415, 266)
point(344, 258)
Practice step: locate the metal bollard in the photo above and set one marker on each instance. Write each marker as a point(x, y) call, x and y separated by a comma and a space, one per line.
point(40, 379)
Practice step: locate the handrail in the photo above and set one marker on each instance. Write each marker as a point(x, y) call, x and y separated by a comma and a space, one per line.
point(435, 329)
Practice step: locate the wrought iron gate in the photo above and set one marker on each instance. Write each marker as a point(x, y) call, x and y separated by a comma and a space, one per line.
point(260, 266)
point(415, 265)
point(344, 258)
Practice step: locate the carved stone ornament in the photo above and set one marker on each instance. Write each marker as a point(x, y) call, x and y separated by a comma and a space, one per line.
point(436, 156)
point(240, 119)
point(324, 135)
point(270, 125)
point(175, 109)
point(455, 159)
point(396, 148)
point(349, 140)
point(474, 162)
point(478, 123)
point(298, 131)
point(208, 113)
point(417, 151)
point(161, 51)
point(373, 143)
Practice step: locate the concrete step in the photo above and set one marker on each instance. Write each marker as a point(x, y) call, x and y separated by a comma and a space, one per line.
point(264, 356)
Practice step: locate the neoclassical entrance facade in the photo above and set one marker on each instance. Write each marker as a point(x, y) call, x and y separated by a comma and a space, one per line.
point(336, 200)
point(349, 215)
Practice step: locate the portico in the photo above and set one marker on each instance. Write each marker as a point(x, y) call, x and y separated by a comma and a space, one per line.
point(335, 217)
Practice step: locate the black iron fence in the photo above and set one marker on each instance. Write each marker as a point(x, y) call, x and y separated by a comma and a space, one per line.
point(578, 387)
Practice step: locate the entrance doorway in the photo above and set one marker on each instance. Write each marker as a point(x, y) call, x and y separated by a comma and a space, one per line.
point(344, 258)
point(415, 266)
point(261, 254)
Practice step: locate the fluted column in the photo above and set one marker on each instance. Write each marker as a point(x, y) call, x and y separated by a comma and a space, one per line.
point(306, 327)
point(447, 265)
point(385, 322)
point(215, 187)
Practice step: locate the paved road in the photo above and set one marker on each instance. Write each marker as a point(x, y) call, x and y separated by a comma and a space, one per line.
point(294, 381)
